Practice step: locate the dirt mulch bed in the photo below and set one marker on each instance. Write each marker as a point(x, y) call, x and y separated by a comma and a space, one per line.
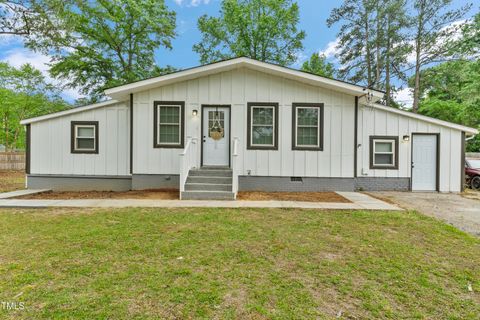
point(154, 194)
point(11, 180)
point(292, 196)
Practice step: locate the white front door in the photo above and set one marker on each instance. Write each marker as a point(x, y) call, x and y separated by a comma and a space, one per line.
point(216, 136)
point(424, 162)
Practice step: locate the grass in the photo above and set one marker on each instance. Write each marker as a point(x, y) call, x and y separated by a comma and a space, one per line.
point(11, 180)
point(235, 264)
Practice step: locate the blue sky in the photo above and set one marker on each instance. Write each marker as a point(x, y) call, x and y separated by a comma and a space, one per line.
point(313, 16)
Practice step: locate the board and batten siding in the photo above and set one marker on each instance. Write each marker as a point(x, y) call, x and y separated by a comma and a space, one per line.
point(50, 144)
point(374, 122)
point(237, 88)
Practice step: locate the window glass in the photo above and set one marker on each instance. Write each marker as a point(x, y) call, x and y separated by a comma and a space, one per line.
point(85, 132)
point(86, 143)
point(263, 126)
point(169, 124)
point(384, 159)
point(213, 117)
point(169, 114)
point(84, 137)
point(384, 153)
point(383, 146)
point(307, 126)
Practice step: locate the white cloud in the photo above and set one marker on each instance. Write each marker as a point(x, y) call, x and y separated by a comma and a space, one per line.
point(191, 3)
point(332, 49)
point(405, 97)
point(19, 56)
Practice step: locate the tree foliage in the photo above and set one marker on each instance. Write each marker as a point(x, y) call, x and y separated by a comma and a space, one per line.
point(433, 36)
point(318, 64)
point(22, 18)
point(372, 45)
point(265, 30)
point(24, 93)
point(451, 91)
point(99, 44)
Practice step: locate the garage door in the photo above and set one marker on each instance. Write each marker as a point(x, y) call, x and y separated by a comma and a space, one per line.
point(424, 162)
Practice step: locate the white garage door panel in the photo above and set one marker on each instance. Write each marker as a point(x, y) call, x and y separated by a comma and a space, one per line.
point(424, 163)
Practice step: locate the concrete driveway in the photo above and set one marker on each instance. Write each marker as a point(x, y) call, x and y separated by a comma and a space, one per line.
point(455, 209)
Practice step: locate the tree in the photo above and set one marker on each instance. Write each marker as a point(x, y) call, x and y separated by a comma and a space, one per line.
point(395, 44)
point(451, 91)
point(103, 43)
point(24, 93)
point(19, 18)
point(372, 43)
point(318, 64)
point(433, 36)
point(468, 46)
point(355, 55)
point(265, 30)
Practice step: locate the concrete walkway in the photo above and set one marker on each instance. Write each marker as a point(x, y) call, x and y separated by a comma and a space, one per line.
point(359, 202)
point(18, 193)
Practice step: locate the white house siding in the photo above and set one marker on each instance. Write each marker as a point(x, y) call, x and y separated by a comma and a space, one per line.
point(379, 122)
point(50, 144)
point(236, 88)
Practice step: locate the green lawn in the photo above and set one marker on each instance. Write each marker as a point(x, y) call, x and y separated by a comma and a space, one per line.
point(235, 264)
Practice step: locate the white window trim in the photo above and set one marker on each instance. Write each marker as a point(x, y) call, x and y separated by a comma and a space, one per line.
point(262, 125)
point(79, 126)
point(392, 142)
point(307, 126)
point(179, 124)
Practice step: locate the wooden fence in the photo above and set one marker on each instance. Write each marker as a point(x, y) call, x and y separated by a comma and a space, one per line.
point(475, 155)
point(12, 161)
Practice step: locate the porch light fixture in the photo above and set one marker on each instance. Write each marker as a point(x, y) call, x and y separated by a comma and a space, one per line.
point(194, 112)
point(406, 138)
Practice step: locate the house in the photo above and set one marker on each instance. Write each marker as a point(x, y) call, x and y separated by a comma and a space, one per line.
point(243, 124)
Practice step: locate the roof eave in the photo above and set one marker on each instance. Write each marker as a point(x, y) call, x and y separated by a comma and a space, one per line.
point(468, 131)
point(68, 112)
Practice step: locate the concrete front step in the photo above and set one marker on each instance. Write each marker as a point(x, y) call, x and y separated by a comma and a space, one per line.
point(207, 195)
point(207, 187)
point(208, 179)
point(215, 168)
point(210, 173)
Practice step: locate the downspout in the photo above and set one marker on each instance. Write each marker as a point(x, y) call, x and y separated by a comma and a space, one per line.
point(462, 163)
point(355, 140)
point(131, 133)
point(470, 138)
point(27, 152)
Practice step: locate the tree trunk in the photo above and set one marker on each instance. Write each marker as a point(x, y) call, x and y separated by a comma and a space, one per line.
point(387, 75)
point(367, 51)
point(15, 138)
point(416, 89)
point(388, 38)
point(418, 51)
point(5, 119)
point(377, 43)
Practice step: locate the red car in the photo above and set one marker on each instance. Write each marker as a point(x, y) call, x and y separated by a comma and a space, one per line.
point(472, 173)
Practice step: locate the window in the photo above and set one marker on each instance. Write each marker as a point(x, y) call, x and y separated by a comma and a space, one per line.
point(262, 130)
point(84, 137)
point(383, 152)
point(168, 124)
point(307, 129)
